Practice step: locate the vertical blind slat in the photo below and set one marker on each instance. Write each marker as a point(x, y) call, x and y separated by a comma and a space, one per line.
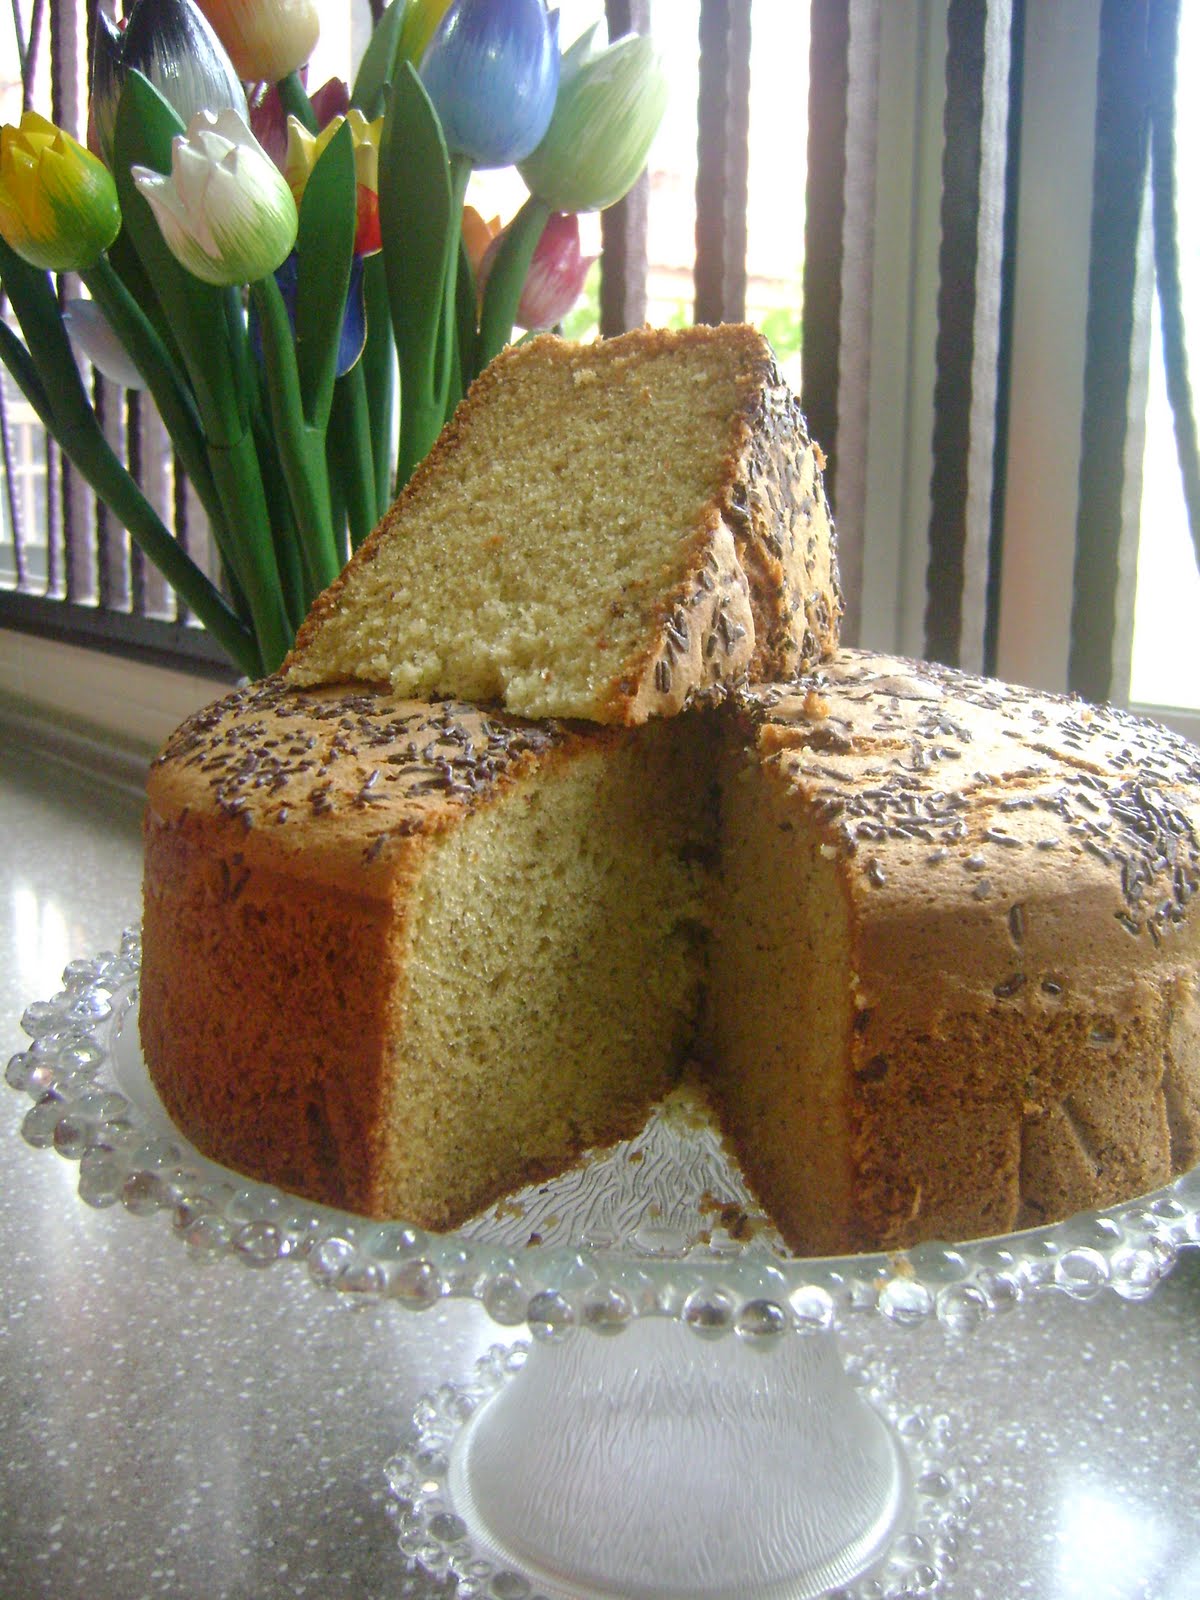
point(134, 456)
point(16, 522)
point(183, 527)
point(968, 329)
point(29, 51)
point(108, 536)
point(824, 220)
point(623, 261)
point(853, 329)
point(624, 227)
point(1106, 529)
point(71, 493)
point(723, 160)
point(1007, 245)
point(1164, 163)
point(56, 582)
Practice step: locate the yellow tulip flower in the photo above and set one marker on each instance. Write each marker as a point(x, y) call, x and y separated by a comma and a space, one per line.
point(58, 202)
point(266, 39)
point(306, 149)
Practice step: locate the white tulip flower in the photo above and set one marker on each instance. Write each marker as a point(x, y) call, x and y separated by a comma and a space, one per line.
point(225, 210)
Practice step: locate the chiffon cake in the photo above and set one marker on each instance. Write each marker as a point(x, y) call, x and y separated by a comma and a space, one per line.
point(927, 940)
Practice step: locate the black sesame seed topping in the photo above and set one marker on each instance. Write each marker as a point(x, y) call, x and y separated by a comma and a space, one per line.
point(1010, 986)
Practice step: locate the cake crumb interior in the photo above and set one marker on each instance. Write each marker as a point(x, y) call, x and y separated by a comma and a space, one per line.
point(574, 911)
point(780, 1007)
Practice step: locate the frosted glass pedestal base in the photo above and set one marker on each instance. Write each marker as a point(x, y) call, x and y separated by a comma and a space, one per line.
point(645, 1466)
point(657, 1467)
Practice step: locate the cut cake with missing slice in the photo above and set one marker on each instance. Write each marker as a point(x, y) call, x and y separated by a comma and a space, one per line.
point(603, 532)
point(405, 958)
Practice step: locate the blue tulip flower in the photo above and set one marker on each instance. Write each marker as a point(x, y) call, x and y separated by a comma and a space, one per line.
point(354, 319)
point(491, 71)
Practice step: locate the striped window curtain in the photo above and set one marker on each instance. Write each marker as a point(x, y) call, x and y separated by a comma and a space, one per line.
point(1135, 251)
point(985, 467)
point(936, 147)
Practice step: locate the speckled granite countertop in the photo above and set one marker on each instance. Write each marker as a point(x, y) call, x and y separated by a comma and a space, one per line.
point(219, 1434)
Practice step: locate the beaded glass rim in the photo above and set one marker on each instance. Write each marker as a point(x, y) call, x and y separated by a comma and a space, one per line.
point(720, 1284)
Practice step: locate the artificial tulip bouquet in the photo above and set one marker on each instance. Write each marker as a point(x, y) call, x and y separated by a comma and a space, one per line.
point(306, 306)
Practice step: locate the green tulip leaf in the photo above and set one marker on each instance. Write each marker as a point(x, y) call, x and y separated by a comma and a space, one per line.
point(301, 446)
point(351, 454)
point(195, 311)
point(378, 65)
point(466, 308)
point(377, 360)
point(418, 226)
point(325, 252)
point(35, 304)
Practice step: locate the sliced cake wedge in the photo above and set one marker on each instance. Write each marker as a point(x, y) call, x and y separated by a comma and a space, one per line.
point(603, 531)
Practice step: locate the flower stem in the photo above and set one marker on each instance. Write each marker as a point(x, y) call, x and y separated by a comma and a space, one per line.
point(507, 278)
point(352, 454)
point(423, 403)
point(378, 363)
point(283, 525)
point(295, 101)
point(449, 377)
point(467, 312)
point(240, 485)
point(301, 447)
point(337, 511)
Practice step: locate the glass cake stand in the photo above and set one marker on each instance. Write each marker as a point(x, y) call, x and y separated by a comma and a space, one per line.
point(724, 1445)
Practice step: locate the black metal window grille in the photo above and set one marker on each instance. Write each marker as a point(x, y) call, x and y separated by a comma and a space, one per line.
point(67, 571)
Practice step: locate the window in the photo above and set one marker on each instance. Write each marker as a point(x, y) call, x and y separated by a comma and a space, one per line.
point(921, 227)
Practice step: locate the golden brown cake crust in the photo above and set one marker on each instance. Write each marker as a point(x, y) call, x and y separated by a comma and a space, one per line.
point(759, 593)
point(1020, 870)
point(340, 783)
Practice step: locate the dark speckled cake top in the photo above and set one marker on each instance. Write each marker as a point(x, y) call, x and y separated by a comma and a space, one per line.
point(913, 765)
point(270, 757)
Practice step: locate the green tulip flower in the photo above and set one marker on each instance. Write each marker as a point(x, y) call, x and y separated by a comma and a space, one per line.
point(610, 103)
